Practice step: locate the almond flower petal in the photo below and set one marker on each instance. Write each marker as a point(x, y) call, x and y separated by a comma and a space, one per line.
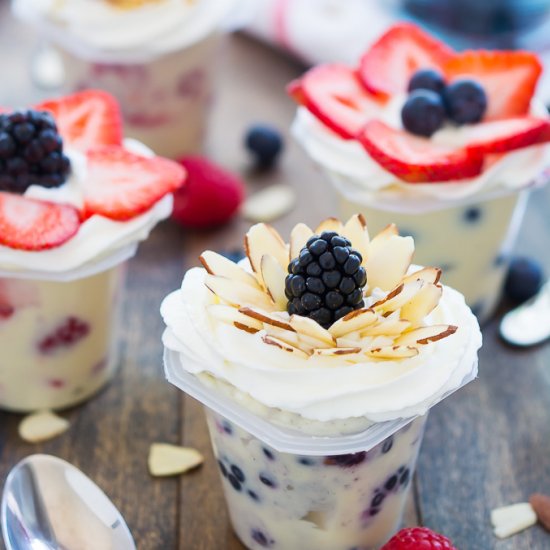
point(298, 239)
point(273, 276)
point(425, 335)
point(237, 293)
point(354, 321)
point(422, 303)
point(216, 264)
point(357, 233)
point(330, 224)
point(272, 341)
point(262, 238)
point(388, 260)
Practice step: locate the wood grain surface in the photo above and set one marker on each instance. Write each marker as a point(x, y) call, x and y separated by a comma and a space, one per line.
point(486, 446)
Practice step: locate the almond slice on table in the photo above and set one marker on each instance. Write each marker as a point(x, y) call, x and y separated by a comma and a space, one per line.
point(425, 335)
point(262, 237)
point(41, 426)
point(269, 203)
point(298, 239)
point(169, 460)
point(509, 520)
point(355, 230)
point(216, 264)
point(237, 293)
point(274, 276)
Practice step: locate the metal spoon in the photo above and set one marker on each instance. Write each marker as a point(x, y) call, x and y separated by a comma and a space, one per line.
point(48, 504)
point(529, 323)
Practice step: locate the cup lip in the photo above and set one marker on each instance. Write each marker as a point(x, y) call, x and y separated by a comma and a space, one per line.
point(283, 439)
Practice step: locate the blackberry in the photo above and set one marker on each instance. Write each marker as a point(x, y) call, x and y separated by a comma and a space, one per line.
point(326, 280)
point(31, 152)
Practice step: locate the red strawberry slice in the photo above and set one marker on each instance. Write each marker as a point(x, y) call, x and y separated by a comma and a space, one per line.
point(86, 119)
point(388, 65)
point(30, 224)
point(509, 79)
point(335, 95)
point(500, 136)
point(415, 159)
point(121, 185)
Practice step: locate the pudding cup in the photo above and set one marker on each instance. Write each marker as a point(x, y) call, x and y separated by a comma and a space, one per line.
point(286, 488)
point(58, 335)
point(165, 101)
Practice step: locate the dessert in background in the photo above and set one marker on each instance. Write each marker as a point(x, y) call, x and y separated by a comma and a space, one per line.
point(317, 362)
point(75, 200)
point(157, 57)
point(445, 144)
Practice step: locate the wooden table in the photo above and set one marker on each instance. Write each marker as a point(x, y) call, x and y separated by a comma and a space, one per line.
point(486, 446)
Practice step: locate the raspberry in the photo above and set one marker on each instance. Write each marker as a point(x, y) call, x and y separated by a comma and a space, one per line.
point(325, 281)
point(31, 151)
point(418, 538)
point(64, 336)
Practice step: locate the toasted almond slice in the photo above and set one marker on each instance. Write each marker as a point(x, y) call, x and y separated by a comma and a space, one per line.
point(169, 460)
point(388, 260)
point(425, 335)
point(266, 318)
point(509, 520)
point(41, 426)
point(309, 343)
point(262, 238)
point(216, 264)
point(231, 316)
point(290, 337)
point(356, 231)
point(237, 293)
point(392, 352)
point(330, 224)
point(396, 299)
point(355, 321)
point(422, 303)
point(298, 239)
point(269, 203)
point(272, 341)
point(274, 276)
point(309, 327)
point(332, 352)
point(388, 327)
point(427, 274)
point(389, 231)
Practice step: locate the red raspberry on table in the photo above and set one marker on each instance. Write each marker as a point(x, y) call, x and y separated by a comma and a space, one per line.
point(418, 538)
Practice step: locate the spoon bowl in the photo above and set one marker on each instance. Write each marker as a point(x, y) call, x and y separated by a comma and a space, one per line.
point(49, 504)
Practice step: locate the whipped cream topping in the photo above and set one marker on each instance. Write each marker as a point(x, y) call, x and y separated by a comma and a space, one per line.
point(362, 180)
point(314, 387)
point(97, 238)
point(99, 30)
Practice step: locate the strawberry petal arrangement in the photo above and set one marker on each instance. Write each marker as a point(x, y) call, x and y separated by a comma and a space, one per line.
point(117, 183)
point(486, 96)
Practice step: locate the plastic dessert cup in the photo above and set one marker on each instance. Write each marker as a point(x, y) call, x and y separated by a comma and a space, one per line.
point(490, 224)
point(165, 101)
point(58, 338)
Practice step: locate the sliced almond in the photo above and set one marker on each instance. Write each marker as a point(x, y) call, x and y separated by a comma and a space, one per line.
point(216, 264)
point(388, 260)
point(231, 316)
point(509, 520)
point(422, 303)
point(169, 460)
point(425, 335)
point(355, 321)
point(308, 327)
point(389, 231)
point(41, 426)
point(333, 352)
point(274, 276)
point(288, 336)
point(427, 274)
point(309, 343)
point(356, 231)
point(278, 343)
point(298, 239)
point(396, 299)
point(389, 327)
point(269, 203)
point(330, 224)
point(237, 293)
point(392, 352)
point(261, 239)
point(266, 318)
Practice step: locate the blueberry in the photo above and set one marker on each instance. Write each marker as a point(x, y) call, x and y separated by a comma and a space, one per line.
point(465, 101)
point(34, 152)
point(50, 140)
point(7, 145)
point(377, 500)
point(423, 113)
point(23, 132)
point(223, 469)
point(404, 477)
point(306, 461)
point(473, 214)
point(266, 480)
point(261, 538)
point(346, 461)
point(387, 445)
point(268, 453)
point(427, 79)
point(253, 495)
point(227, 428)
point(524, 279)
point(236, 484)
point(265, 143)
point(237, 472)
point(391, 483)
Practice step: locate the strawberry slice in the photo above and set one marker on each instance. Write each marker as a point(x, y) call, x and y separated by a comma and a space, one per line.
point(509, 79)
point(499, 136)
point(335, 95)
point(415, 159)
point(388, 65)
point(86, 119)
point(30, 224)
point(121, 185)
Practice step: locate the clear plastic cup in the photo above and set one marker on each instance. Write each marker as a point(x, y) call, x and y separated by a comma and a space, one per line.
point(287, 489)
point(471, 242)
point(58, 338)
point(165, 101)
